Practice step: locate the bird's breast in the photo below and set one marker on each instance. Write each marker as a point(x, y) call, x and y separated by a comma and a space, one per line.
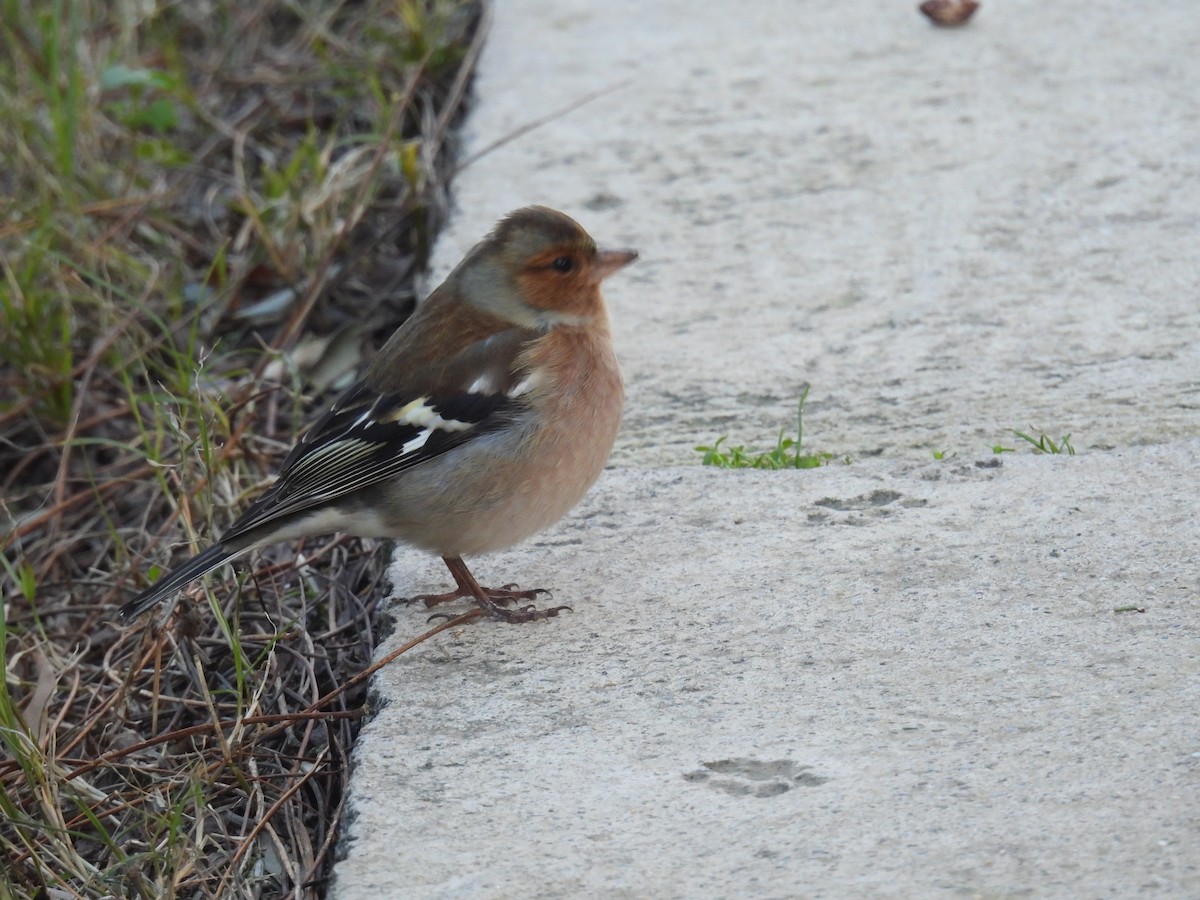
point(500, 488)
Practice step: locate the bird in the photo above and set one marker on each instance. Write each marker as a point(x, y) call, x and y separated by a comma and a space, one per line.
point(483, 419)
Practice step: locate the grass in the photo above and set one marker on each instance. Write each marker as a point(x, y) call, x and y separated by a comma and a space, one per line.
point(210, 212)
point(786, 454)
point(788, 451)
point(1040, 444)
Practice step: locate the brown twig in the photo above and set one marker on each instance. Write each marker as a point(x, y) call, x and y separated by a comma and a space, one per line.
point(522, 130)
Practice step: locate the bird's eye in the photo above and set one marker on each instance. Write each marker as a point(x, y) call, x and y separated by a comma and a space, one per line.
point(563, 264)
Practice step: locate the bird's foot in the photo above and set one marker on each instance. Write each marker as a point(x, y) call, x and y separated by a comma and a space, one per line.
point(528, 613)
point(501, 595)
point(512, 616)
point(494, 603)
point(432, 600)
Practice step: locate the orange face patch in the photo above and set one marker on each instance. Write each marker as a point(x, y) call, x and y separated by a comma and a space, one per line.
point(560, 279)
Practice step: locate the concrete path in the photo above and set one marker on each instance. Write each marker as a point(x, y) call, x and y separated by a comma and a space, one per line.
point(900, 676)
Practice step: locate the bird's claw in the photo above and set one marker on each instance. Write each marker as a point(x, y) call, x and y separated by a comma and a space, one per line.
point(528, 613)
point(432, 600)
point(517, 616)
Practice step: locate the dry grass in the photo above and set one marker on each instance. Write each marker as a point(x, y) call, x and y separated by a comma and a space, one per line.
point(209, 212)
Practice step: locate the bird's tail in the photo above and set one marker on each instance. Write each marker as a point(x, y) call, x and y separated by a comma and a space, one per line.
point(176, 579)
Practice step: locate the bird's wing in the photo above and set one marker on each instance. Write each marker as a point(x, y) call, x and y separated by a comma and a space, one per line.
point(369, 436)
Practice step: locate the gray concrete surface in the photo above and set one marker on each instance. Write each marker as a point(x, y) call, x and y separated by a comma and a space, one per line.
point(895, 677)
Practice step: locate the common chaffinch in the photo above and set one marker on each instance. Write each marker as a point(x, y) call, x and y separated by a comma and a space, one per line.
point(483, 420)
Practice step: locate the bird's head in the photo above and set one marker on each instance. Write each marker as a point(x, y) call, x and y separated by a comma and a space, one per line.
point(538, 268)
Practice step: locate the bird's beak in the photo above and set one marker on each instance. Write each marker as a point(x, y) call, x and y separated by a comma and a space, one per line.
point(608, 261)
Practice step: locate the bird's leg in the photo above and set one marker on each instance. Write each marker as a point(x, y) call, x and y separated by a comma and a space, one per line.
point(490, 600)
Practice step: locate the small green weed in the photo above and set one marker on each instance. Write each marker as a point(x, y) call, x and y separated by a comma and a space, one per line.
point(1043, 443)
point(785, 455)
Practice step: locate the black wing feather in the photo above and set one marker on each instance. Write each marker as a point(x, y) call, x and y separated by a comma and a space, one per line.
point(354, 446)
